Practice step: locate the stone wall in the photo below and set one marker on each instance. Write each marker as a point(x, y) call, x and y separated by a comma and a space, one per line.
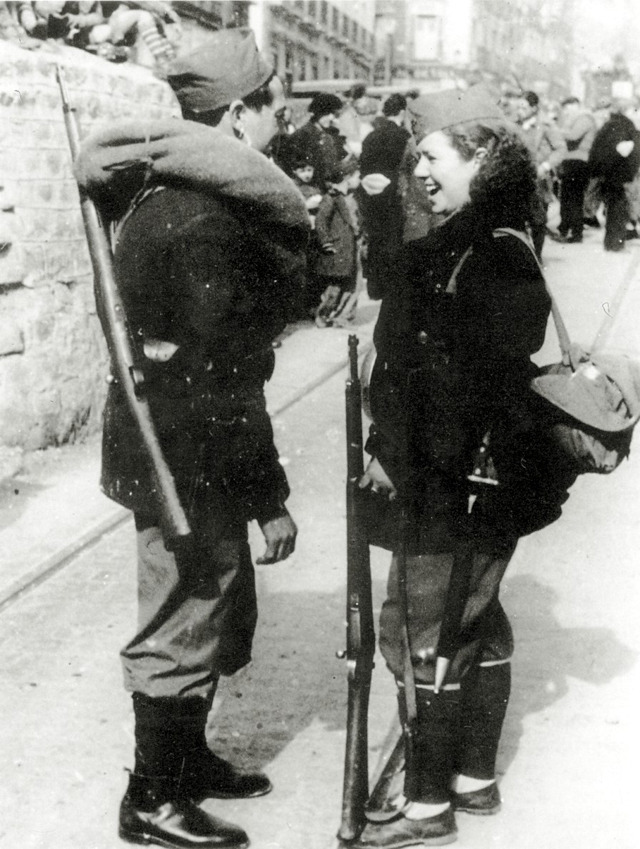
point(53, 360)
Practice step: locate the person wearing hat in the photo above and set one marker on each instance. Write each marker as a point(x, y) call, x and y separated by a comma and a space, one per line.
point(383, 151)
point(338, 234)
point(298, 164)
point(547, 147)
point(614, 160)
point(578, 128)
point(209, 250)
point(454, 339)
point(320, 137)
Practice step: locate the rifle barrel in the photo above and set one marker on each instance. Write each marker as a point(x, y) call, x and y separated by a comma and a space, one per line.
point(121, 349)
point(360, 631)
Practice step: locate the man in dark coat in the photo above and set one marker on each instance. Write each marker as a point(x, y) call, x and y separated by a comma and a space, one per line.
point(380, 202)
point(578, 129)
point(207, 257)
point(614, 159)
point(320, 137)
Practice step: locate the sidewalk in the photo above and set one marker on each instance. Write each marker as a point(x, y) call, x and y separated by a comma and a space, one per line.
point(53, 507)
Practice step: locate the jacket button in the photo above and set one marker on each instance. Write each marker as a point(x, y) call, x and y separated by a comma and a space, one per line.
point(422, 337)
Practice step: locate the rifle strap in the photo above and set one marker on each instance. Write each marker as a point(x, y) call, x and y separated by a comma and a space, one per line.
point(117, 226)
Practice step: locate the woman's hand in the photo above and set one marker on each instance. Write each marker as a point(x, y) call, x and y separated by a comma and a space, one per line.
point(376, 477)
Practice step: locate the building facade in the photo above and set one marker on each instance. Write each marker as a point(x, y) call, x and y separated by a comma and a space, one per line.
point(509, 43)
point(315, 39)
point(525, 44)
point(422, 40)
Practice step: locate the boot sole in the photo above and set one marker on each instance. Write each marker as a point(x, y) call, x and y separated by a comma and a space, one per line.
point(143, 839)
point(416, 841)
point(478, 812)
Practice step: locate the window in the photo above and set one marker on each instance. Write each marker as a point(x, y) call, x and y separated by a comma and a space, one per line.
point(324, 12)
point(426, 43)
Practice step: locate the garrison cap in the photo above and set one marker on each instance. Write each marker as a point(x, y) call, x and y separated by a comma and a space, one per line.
point(227, 68)
point(442, 109)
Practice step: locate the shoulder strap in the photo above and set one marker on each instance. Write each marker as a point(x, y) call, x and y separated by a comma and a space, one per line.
point(561, 329)
point(118, 226)
point(452, 285)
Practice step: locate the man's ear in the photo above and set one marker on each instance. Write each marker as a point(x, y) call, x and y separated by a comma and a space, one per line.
point(237, 111)
point(480, 155)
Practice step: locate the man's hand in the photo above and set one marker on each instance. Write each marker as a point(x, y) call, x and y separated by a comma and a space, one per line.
point(280, 535)
point(378, 479)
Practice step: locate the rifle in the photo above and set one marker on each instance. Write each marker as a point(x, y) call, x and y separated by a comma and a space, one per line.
point(360, 631)
point(127, 373)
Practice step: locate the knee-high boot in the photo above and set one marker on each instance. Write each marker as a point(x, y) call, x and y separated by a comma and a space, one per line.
point(485, 696)
point(157, 807)
point(431, 745)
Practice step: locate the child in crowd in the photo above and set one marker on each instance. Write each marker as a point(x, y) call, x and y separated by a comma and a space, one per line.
point(302, 173)
point(338, 232)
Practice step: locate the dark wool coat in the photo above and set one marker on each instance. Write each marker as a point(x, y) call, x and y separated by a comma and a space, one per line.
point(383, 215)
point(451, 367)
point(209, 256)
point(192, 271)
point(605, 161)
point(324, 149)
point(335, 226)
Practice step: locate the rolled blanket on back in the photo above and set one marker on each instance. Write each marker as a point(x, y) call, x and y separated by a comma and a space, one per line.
point(114, 164)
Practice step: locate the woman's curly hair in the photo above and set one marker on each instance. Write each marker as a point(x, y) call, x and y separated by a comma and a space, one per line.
point(503, 190)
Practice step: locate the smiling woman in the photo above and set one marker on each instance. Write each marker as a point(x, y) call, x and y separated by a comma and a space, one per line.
point(451, 384)
point(446, 174)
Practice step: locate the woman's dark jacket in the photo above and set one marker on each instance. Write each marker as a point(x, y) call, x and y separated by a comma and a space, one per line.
point(450, 368)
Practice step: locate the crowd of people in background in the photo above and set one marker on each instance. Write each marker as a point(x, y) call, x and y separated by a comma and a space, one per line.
point(588, 161)
point(587, 167)
point(353, 159)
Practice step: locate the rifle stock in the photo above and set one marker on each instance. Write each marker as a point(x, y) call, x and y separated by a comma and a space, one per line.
point(360, 630)
point(113, 319)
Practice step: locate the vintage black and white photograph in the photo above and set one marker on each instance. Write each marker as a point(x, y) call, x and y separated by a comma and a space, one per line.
point(319, 378)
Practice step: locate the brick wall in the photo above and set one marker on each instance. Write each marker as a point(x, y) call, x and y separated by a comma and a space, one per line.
point(53, 360)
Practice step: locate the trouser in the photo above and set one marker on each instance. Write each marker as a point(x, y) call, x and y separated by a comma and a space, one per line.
point(575, 178)
point(197, 610)
point(458, 729)
point(617, 217)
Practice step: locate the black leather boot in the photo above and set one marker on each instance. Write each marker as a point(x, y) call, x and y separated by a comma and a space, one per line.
point(153, 811)
point(157, 807)
point(431, 749)
point(179, 725)
point(206, 776)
